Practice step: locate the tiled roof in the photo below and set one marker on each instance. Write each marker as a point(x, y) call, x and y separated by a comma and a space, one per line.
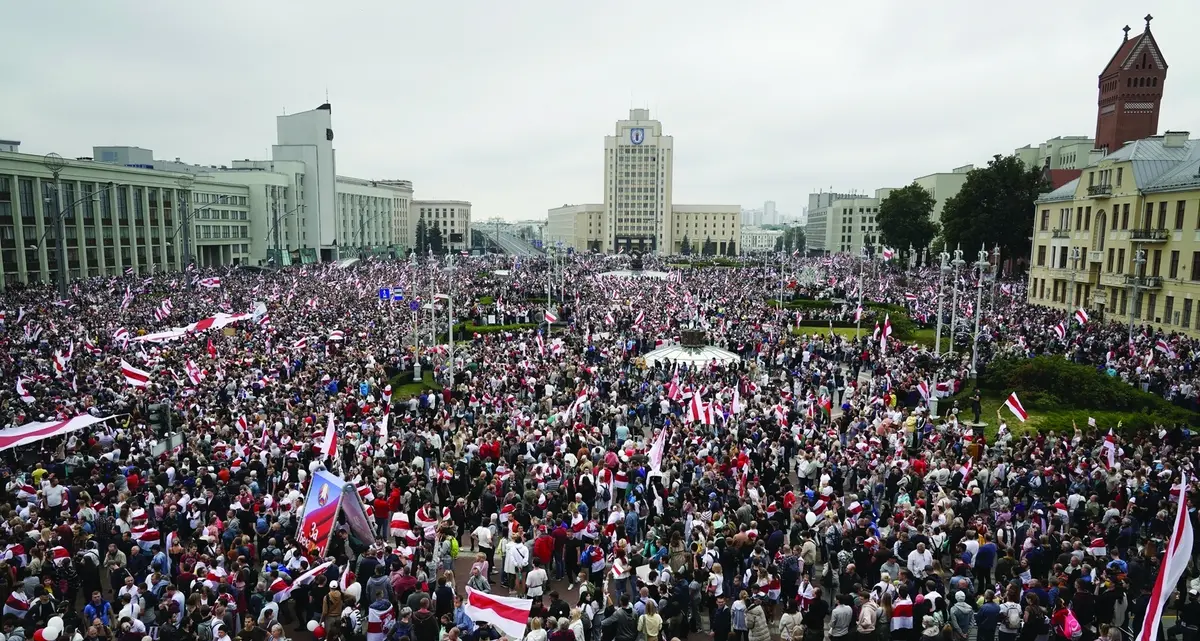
point(1118, 59)
point(1066, 192)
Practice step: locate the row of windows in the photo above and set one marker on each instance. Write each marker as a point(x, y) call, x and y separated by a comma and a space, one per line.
point(219, 198)
point(1062, 292)
point(1154, 216)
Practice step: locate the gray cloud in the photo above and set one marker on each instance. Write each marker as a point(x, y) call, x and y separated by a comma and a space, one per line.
point(506, 104)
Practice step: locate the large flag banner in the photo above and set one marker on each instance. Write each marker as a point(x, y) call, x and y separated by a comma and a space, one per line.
point(34, 432)
point(507, 613)
point(320, 512)
point(1174, 563)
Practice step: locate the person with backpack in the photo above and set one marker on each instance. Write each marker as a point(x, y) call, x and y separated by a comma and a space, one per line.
point(1010, 616)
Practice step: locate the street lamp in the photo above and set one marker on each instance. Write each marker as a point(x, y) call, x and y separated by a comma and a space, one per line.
point(942, 271)
point(1139, 261)
point(56, 164)
point(186, 215)
point(981, 265)
point(957, 264)
point(274, 229)
point(858, 308)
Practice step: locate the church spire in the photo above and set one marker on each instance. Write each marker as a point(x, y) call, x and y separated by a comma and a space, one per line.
point(1126, 30)
point(1148, 19)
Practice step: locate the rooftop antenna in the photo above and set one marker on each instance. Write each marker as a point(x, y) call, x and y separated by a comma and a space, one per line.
point(326, 94)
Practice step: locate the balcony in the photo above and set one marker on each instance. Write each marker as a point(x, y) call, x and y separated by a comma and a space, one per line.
point(1060, 233)
point(1145, 282)
point(1100, 191)
point(1149, 235)
point(1096, 256)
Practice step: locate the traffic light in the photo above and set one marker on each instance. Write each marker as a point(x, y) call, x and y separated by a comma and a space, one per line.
point(160, 417)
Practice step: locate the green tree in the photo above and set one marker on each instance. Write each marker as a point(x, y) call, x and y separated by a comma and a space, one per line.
point(731, 249)
point(903, 218)
point(708, 246)
point(685, 247)
point(422, 237)
point(435, 240)
point(994, 206)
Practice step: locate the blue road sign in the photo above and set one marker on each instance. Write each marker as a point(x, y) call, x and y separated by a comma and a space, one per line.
point(397, 295)
point(385, 293)
point(414, 305)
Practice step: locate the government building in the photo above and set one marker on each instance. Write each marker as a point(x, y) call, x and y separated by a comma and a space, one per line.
point(639, 213)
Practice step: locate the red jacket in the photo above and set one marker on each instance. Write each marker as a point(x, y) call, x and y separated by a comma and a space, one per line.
point(543, 548)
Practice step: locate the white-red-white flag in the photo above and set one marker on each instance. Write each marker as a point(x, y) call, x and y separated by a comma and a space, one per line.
point(23, 392)
point(133, 375)
point(329, 443)
point(509, 614)
point(1175, 561)
point(1014, 405)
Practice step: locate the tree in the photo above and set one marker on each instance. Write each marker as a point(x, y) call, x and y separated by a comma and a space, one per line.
point(994, 206)
point(708, 246)
point(731, 249)
point(435, 239)
point(685, 246)
point(903, 218)
point(422, 237)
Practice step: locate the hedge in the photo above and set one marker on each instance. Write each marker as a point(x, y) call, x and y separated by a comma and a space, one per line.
point(903, 328)
point(468, 328)
point(1063, 391)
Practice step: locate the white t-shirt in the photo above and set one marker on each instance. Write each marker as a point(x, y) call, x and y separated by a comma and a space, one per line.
point(535, 582)
point(54, 494)
point(483, 535)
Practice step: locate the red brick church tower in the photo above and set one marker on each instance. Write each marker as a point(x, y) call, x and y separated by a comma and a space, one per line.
point(1131, 89)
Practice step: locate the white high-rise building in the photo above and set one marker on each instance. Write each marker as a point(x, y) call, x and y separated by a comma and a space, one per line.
point(308, 137)
point(770, 216)
point(637, 185)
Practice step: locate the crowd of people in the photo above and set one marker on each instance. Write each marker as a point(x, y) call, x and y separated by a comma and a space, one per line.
point(801, 490)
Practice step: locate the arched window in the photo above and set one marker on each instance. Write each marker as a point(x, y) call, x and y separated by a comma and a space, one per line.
point(1098, 232)
point(1154, 82)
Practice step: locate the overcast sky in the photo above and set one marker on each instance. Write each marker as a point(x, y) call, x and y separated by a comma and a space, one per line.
point(506, 104)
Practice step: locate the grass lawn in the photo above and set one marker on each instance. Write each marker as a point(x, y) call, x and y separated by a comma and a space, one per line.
point(408, 390)
point(990, 402)
point(921, 336)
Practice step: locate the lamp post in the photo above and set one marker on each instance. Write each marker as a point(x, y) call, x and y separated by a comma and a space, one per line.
point(60, 231)
point(1139, 265)
point(982, 265)
point(450, 316)
point(957, 263)
point(274, 230)
point(185, 182)
point(858, 308)
point(56, 164)
point(185, 225)
point(941, 297)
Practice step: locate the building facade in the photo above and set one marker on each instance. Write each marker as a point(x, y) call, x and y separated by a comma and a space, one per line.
point(1130, 91)
point(1123, 239)
point(452, 218)
point(580, 227)
point(116, 218)
point(369, 215)
point(307, 137)
point(943, 186)
point(843, 223)
point(717, 226)
point(638, 163)
point(757, 239)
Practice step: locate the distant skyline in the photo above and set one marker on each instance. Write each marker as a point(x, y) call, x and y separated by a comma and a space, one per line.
point(507, 105)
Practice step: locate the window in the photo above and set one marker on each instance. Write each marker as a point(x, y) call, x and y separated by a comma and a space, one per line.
point(1124, 301)
point(1162, 216)
point(1195, 266)
point(1087, 218)
point(1173, 270)
point(1120, 171)
point(1180, 207)
point(1045, 222)
point(1041, 256)
point(1168, 309)
point(1151, 307)
point(1125, 216)
point(1079, 218)
point(1157, 263)
point(1121, 261)
point(1186, 321)
point(1148, 215)
point(1111, 252)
